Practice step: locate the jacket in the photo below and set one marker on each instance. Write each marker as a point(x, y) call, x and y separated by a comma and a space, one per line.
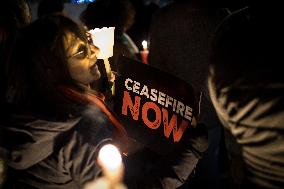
point(257, 124)
point(44, 153)
point(247, 89)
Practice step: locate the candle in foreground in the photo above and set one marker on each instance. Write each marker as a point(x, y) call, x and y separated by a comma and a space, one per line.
point(110, 160)
point(110, 157)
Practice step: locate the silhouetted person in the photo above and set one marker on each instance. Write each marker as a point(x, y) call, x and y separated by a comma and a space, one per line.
point(14, 14)
point(140, 29)
point(247, 88)
point(180, 41)
point(46, 7)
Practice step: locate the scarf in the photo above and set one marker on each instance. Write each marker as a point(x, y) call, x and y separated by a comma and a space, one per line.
point(92, 99)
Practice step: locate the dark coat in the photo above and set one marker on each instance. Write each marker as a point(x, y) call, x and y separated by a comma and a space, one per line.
point(180, 41)
point(43, 153)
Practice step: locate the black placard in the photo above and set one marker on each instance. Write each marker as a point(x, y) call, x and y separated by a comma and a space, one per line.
point(154, 107)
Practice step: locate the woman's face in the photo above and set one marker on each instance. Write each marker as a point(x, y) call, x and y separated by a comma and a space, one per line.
point(82, 58)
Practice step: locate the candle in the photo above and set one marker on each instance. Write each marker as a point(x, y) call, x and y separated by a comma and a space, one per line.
point(144, 53)
point(110, 160)
point(144, 44)
point(103, 38)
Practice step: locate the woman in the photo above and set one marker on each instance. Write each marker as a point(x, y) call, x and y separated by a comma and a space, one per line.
point(49, 128)
point(55, 124)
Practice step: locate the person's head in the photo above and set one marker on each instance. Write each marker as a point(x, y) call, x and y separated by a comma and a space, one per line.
point(47, 7)
point(51, 52)
point(109, 13)
point(245, 49)
point(15, 14)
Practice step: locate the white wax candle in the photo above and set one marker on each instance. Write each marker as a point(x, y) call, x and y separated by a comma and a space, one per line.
point(103, 38)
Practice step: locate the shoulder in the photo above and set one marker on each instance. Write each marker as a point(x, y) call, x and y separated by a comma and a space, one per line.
point(85, 137)
point(93, 125)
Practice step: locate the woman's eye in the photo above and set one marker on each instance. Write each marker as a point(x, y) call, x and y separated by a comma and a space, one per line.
point(82, 52)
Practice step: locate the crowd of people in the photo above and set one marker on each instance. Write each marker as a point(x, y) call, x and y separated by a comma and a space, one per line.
point(57, 107)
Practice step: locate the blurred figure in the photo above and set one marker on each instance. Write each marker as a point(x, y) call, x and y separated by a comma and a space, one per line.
point(246, 87)
point(180, 39)
point(140, 29)
point(14, 14)
point(46, 7)
point(2, 170)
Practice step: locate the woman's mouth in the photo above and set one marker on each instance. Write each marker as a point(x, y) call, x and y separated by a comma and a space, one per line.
point(95, 71)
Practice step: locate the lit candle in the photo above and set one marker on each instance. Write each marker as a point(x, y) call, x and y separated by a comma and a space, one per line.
point(103, 38)
point(144, 53)
point(111, 162)
point(144, 44)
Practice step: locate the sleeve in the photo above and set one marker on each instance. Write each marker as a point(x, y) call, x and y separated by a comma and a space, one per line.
point(79, 154)
point(149, 170)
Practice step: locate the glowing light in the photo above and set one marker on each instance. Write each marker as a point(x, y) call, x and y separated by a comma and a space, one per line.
point(144, 44)
point(110, 157)
point(82, 1)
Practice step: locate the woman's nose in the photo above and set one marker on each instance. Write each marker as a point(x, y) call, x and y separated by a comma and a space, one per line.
point(94, 51)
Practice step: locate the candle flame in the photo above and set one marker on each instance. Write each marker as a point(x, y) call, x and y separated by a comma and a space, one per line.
point(144, 44)
point(110, 157)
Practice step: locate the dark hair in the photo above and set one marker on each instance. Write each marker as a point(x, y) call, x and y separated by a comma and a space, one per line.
point(245, 50)
point(39, 65)
point(109, 13)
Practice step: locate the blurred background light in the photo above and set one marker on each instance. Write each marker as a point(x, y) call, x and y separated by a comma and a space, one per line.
point(81, 1)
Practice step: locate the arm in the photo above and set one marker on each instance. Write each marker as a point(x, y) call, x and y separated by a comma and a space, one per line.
point(79, 154)
point(147, 169)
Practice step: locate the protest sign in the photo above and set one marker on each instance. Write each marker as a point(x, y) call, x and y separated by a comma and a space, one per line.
point(156, 108)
